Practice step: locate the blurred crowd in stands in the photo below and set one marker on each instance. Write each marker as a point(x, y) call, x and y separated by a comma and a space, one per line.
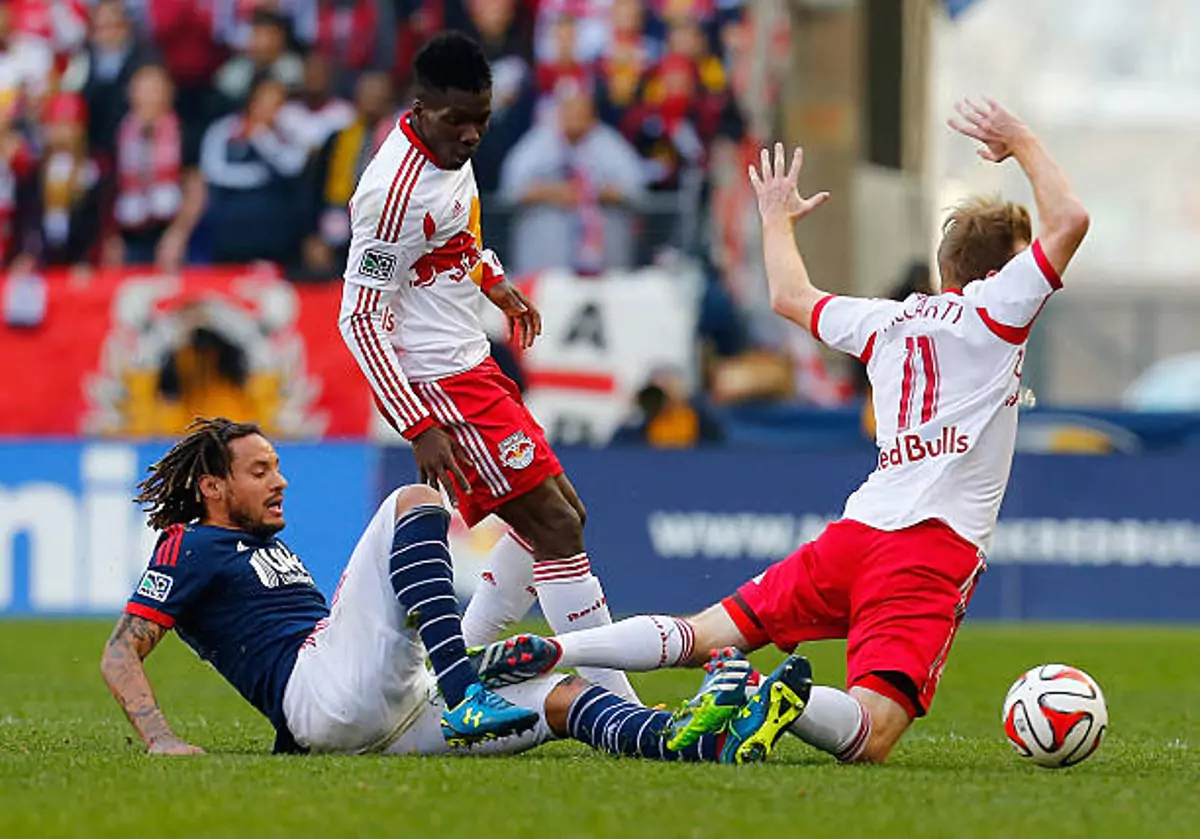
point(184, 132)
point(194, 131)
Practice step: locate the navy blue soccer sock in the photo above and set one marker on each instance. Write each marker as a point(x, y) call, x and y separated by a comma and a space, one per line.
point(607, 722)
point(424, 585)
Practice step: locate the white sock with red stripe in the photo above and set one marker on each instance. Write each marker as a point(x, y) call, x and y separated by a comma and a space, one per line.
point(834, 722)
point(504, 595)
point(572, 599)
point(646, 642)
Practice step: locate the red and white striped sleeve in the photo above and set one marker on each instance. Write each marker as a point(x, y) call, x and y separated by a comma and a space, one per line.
point(387, 212)
point(362, 328)
point(387, 237)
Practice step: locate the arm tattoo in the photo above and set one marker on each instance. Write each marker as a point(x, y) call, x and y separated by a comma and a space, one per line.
point(132, 640)
point(140, 634)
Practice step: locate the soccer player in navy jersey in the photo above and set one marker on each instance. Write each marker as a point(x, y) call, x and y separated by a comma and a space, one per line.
point(346, 678)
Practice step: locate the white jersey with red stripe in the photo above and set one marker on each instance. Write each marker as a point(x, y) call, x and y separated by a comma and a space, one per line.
point(945, 374)
point(410, 306)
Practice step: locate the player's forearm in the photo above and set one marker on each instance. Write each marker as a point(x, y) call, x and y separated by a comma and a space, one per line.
point(126, 678)
point(1062, 219)
point(792, 293)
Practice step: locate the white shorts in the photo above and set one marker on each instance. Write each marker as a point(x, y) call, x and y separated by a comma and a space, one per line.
point(361, 683)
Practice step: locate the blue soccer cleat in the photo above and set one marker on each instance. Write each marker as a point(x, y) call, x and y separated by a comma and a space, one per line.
point(514, 660)
point(721, 695)
point(484, 715)
point(754, 730)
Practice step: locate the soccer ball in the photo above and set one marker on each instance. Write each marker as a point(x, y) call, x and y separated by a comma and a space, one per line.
point(1055, 715)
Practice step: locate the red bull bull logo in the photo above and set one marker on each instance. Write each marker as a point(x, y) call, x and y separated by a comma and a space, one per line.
point(453, 261)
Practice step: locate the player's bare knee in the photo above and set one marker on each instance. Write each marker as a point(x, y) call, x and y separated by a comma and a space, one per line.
point(558, 531)
point(568, 491)
point(415, 495)
point(547, 519)
point(560, 700)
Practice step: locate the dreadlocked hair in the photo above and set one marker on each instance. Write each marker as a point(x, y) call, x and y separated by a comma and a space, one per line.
point(171, 492)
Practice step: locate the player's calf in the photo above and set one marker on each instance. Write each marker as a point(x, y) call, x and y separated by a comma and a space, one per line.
point(651, 642)
point(592, 715)
point(422, 581)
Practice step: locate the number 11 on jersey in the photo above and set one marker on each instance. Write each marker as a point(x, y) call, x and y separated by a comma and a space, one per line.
point(920, 360)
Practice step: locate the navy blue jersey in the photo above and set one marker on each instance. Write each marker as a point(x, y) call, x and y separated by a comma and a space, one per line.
point(242, 603)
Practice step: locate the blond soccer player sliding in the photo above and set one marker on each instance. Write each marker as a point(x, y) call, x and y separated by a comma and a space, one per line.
point(895, 574)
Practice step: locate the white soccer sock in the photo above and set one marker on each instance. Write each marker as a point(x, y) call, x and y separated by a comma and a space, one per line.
point(504, 595)
point(646, 642)
point(573, 599)
point(834, 722)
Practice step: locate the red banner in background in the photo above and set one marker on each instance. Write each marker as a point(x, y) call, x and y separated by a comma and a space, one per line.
point(135, 353)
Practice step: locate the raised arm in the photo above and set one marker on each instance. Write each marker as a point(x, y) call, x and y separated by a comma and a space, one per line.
point(1062, 219)
point(780, 205)
point(131, 641)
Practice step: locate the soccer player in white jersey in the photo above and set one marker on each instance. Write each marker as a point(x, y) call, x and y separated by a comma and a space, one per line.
point(895, 574)
point(415, 277)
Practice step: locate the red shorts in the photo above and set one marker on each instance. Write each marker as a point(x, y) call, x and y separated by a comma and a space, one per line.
point(506, 448)
point(897, 598)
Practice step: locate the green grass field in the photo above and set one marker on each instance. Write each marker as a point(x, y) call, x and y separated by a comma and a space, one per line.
point(68, 766)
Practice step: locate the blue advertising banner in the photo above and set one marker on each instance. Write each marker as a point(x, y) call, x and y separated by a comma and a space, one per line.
point(72, 542)
point(1080, 537)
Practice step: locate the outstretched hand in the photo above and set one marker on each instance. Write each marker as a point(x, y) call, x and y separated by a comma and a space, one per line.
point(777, 188)
point(991, 124)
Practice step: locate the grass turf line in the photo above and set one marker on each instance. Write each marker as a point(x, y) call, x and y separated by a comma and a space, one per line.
point(69, 767)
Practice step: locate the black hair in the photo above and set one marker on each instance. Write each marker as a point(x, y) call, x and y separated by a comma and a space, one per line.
point(452, 61)
point(171, 492)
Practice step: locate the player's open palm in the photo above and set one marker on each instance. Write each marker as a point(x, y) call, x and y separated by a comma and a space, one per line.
point(998, 129)
point(172, 746)
point(777, 187)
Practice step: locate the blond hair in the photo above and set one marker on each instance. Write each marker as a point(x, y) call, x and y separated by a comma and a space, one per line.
point(979, 236)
